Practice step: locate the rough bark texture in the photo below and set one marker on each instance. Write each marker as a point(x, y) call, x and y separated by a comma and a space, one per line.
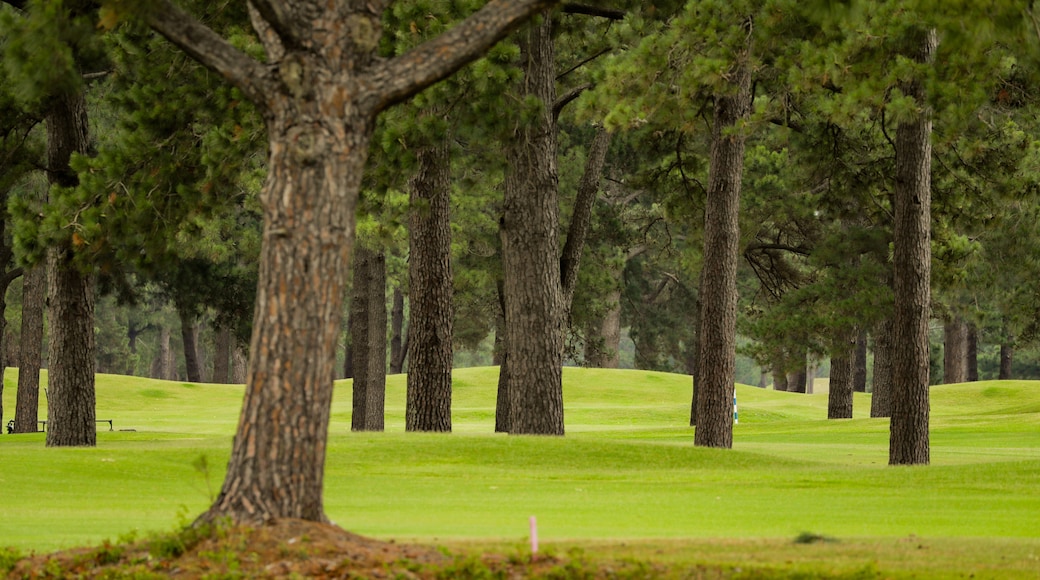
point(881, 386)
point(1007, 358)
point(163, 366)
point(859, 364)
point(368, 340)
point(955, 351)
point(30, 358)
point(70, 295)
point(432, 315)
point(190, 342)
point(222, 356)
point(530, 251)
point(581, 216)
point(239, 361)
point(502, 352)
point(908, 436)
point(319, 88)
point(721, 247)
point(973, 353)
point(839, 398)
point(397, 340)
point(797, 382)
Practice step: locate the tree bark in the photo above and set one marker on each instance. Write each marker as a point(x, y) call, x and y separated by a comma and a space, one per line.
point(908, 436)
point(163, 367)
point(319, 88)
point(797, 382)
point(695, 371)
point(238, 365)
point(779, 379)
point(222, 356)
point(973, 353)
point(368, 340)
point(70, 294)
point(955, 351)
point(190, 341)
point(1007, 357)
point(839, 397)
point(721, 248)
point(30, 358)
point(859, 363)
point(502, 393)
point(581, 217)
point(530, 251)
point(397, 345)
point(432, 314)
point(881, 386)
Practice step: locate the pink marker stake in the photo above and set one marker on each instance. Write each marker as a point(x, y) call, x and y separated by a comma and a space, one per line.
point(534, 536)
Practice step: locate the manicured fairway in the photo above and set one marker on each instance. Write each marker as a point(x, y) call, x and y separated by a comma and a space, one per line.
point(627, 470)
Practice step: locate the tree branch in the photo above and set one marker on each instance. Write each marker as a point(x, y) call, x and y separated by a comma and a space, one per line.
point(274, 14)
point(581, 220)
point(574, 8)
point(397, 79)
point(210, 49)
point(567, 98)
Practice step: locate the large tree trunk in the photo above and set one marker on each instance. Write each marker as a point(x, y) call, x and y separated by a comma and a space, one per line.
point(779, 379)
point(30, 357)
point(222, 356)
point(530, 251)
point(839, 398)
point(881, 386)
point(190, 341)
point(908, 438)
point(955, 351)
point(432, 315)
point(319, 89)
point(859, 363)
point(163, 366)
point(397, 340)
point(70, 295)
point(721, 249)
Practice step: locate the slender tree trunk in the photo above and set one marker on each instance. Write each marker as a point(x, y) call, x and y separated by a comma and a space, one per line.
point(839, 398)
point(908, 439)
point(30, 358)
point(375, 400)
point(70, 296)
point(397, 346)
point(239, 362)
point(502, 394)
point(721, 247)
point(695, 372)
point(955, 351)
point(859, 364)
point(222, 356)
point(432, 314)
point(530, 251)
point(348, 355)
point(973, 353)
point(1007, 357)
point(359, 320)
point(163, 367)
point(581, 217)
point(190, 341)
point(610, 331)
point(881, 387)
point(797, 382)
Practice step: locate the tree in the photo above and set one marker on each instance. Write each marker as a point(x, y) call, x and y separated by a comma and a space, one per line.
point(319, 91)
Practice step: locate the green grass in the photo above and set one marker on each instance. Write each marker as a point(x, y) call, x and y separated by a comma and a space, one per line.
point(627, 471)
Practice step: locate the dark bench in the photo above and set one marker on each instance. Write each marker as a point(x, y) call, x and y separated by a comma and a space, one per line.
point(10, 425)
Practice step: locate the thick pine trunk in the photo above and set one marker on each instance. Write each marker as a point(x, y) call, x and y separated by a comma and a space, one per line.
point(718, 293)
point(222, 356)
point(432, 314)
point(908, 438)
point(70, 295)
point(398, 347)
point(70, 392)
point(530, 250)
point(881, 386)
point(277, 461)
point(190, 341)
point(859, 363)
point(955, 351)
point(30, 358)
point(839, 398)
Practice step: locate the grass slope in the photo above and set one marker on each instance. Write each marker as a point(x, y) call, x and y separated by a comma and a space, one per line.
point(626, 471)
